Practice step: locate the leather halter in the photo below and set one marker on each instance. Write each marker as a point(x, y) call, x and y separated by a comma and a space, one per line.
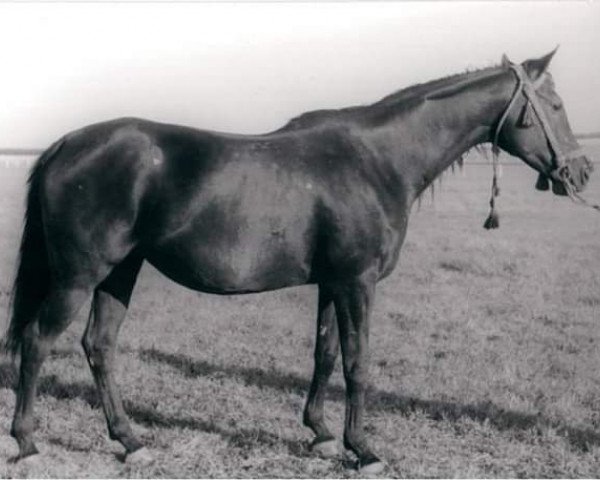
point(529, 89)
point(561, 170)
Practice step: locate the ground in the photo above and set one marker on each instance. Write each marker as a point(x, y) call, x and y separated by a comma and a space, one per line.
point(484, 360)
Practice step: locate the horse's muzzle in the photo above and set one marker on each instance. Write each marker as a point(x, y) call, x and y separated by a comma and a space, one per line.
point(573, 175)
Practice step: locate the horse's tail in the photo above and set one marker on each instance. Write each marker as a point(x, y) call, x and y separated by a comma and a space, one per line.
point(32, 280)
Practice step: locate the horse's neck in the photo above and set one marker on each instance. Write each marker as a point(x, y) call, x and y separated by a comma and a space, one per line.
point(423, 140)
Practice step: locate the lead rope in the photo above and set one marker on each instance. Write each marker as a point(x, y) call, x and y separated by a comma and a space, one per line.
point(576, 198)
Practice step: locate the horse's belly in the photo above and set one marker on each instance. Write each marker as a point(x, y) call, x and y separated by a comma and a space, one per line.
point(231, 267)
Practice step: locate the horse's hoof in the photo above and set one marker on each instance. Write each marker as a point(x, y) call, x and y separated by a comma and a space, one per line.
point(140, 457)
point(325, 449)
point(372, 468)
point(28, 452)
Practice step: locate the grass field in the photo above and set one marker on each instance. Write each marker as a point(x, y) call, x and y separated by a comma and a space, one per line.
point(484, 346)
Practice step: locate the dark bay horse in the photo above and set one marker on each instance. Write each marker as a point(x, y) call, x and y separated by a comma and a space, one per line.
point(324, 200)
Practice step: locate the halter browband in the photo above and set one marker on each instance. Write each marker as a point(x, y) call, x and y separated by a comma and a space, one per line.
point(529, 89)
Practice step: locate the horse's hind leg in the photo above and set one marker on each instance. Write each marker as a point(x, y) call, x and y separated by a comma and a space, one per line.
point(326, 350)
point(56, 313)
point(111, 299)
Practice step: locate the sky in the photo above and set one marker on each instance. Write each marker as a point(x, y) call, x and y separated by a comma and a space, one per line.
point(249, 67)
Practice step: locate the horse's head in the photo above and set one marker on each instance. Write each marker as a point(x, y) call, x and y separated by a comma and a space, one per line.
point(535, 128)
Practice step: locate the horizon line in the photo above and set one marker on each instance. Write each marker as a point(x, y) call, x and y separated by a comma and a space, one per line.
point(27, 151)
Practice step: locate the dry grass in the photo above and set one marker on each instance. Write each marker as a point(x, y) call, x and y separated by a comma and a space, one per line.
point(484, 357)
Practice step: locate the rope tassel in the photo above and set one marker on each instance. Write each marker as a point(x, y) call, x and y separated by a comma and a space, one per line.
point(493, 219)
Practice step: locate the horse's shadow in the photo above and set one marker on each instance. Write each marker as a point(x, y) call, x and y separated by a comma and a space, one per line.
point(499, 418)
point(579, 438)
point(52, 386)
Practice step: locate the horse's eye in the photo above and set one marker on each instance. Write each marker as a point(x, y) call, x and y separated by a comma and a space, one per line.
point(557, 104)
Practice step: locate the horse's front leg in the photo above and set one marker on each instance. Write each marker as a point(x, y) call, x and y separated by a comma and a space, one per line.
point(353, 303)
point(326, 350)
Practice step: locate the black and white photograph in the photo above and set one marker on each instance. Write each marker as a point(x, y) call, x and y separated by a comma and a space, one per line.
point(290, 239)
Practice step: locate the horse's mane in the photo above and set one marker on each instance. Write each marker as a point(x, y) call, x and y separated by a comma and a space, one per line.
point(406, 96)
point(430, 88)
point(307, 119)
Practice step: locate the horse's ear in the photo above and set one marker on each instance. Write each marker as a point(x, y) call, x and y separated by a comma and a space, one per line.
point(505, 62)
point(536, 67)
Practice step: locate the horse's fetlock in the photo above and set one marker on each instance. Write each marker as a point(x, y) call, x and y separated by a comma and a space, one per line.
point(355, 442)
point(21, 428)
point(119, 429)
point(311, 418)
